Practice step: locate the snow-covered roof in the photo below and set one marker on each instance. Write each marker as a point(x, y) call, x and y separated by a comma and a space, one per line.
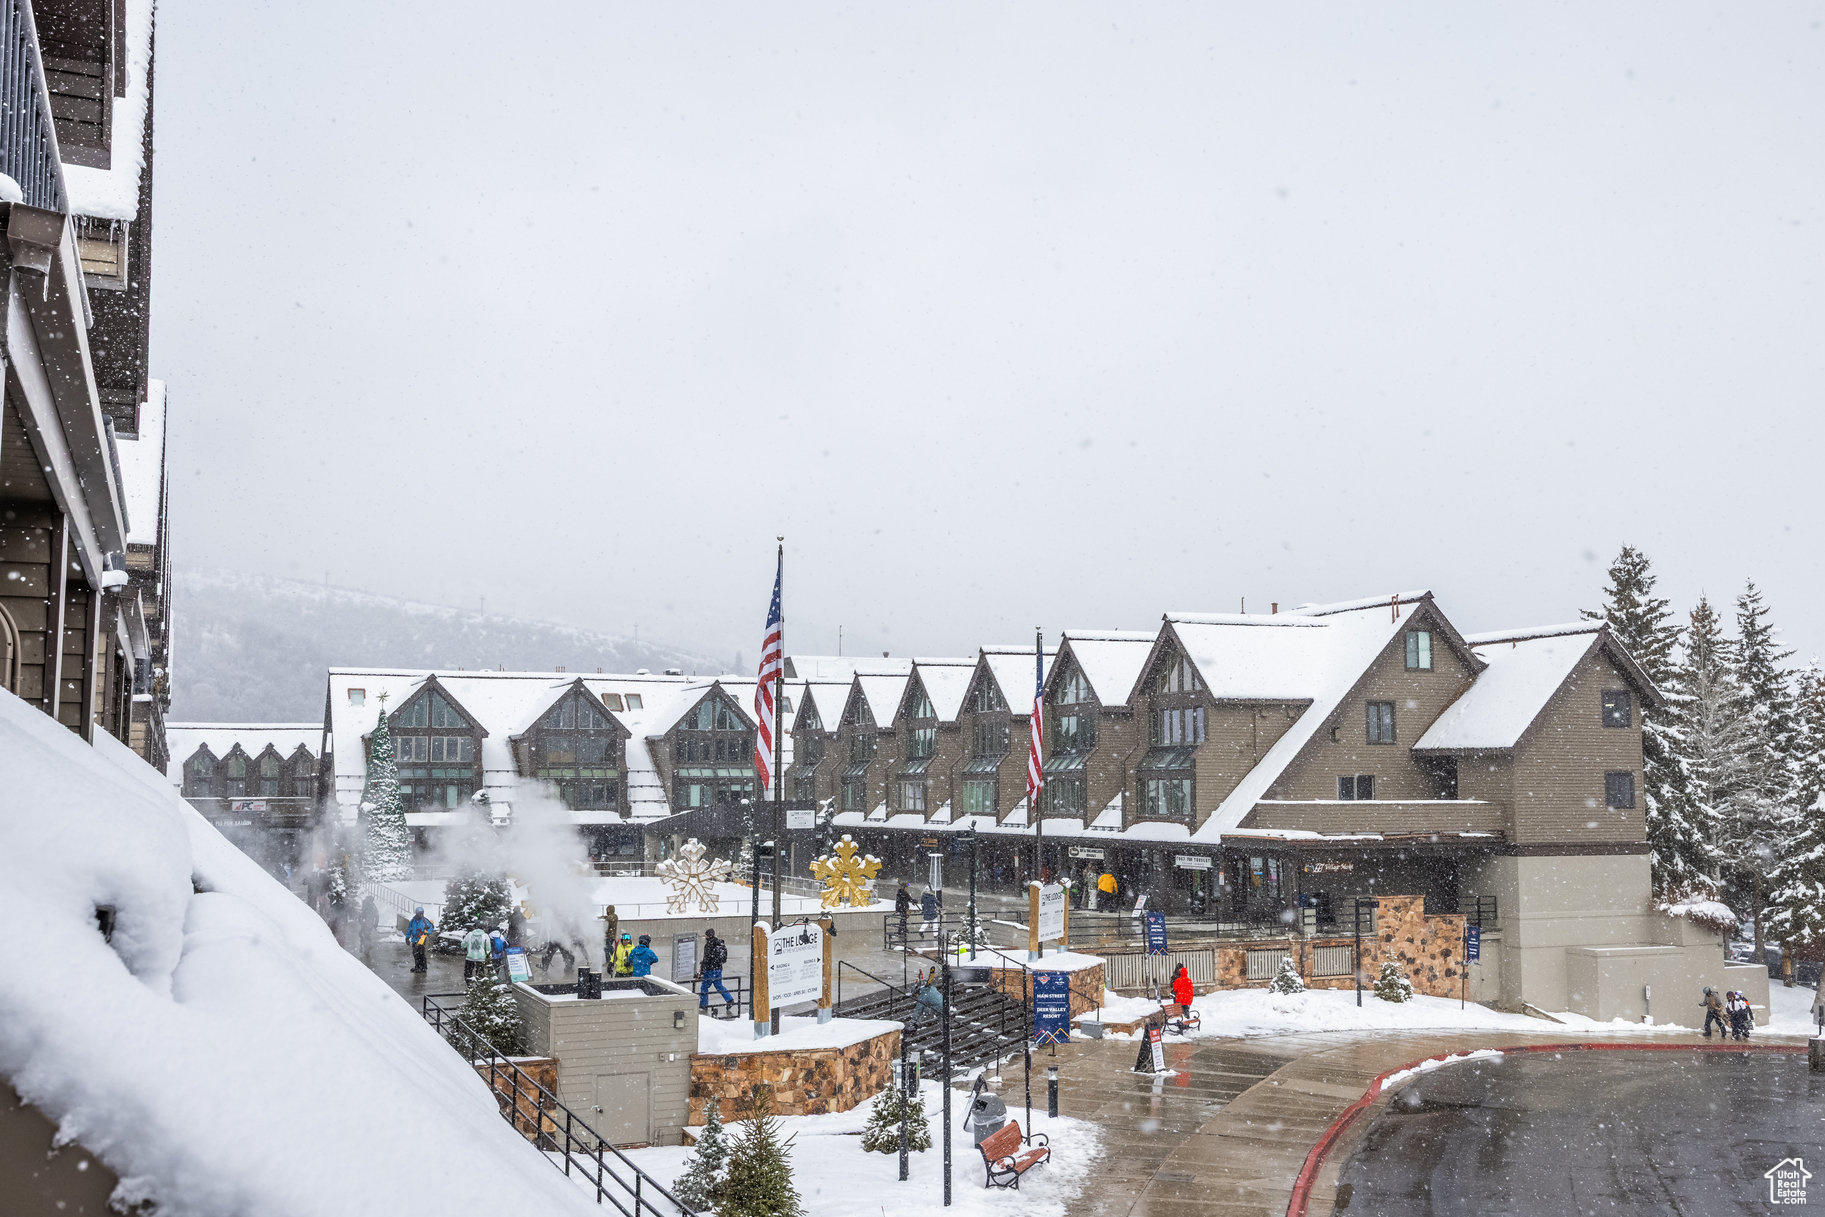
point(1279, 657)
point(846, 667)
point(184, 739)
point(154, 1050)
point(883, 694)
point(829, 696)
point(1525, 669)
point(113, 193)
point(142, 468)
point(1012, 668)
point(1110, 660)
point(945, 681)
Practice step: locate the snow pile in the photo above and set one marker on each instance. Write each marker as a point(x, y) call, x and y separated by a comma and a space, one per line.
point(836, 1177)
point(725, 1037)
point(1790, 1013)
point(1438, 1062)
point(1713, 915)
point(222, 1055)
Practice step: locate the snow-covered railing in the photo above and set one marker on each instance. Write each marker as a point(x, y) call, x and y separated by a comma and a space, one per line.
point(404, 906)
point(568, 1142)
point(28, 141)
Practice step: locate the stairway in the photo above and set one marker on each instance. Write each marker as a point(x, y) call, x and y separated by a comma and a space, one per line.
point(985, 1025)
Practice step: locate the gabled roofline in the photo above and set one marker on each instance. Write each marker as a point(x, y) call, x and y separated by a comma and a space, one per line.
point(431, 682)
point(1605, 641)
point(575, 686)
point(1391, 600)
point(1067, 637)
point(715, 686)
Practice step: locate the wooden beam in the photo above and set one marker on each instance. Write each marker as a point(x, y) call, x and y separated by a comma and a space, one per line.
point(91, 662)
point(56, 605)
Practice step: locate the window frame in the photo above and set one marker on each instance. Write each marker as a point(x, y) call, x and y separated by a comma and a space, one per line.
point(1377, 716)
point(1611, 779)
point(1610, 700)
point(1419, 650)
point(1356, 784)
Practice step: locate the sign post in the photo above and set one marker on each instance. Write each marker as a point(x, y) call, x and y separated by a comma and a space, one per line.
point(758, 1005)
point(1152, 1056)
point(1473, 951)
point(1045, 916)
point(1156, 941)
point(684, 958)
point(518, 972)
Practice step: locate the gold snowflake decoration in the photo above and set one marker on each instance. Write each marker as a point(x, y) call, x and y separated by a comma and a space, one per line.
point(691, 876)
point(846, 876)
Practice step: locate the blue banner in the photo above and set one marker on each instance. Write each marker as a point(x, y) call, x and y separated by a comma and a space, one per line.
point(1051, 1007)
point(1473, 943)
point(1156, 933)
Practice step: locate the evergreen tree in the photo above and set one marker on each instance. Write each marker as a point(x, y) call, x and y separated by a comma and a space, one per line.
point(1287, 980)
point(882, 1136)
point(477, 898)
point(491, 1010)
point(1716, 736)
point(1796, 914)
point(1760, 816)
point(1679, 843)
point(1392, 984)
point(759, 1182)
point(701, 1182)
point(386, 848)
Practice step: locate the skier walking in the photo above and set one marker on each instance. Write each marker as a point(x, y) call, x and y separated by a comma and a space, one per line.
point(929, 1002)
point(715, 955)
point(418, 934)
point(1714, 1012)
point(476, 947)
point(929, 904)
point(1742, 1018)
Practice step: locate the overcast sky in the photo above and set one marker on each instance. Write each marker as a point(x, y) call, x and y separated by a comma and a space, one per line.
point(1005, 316)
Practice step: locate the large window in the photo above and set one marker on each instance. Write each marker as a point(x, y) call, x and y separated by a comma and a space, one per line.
point(1619, 790)
point(1381, 722)
point(861, 748)
point(912, 796)
point(1177, 676)
point(1356, 786)
point(578, 746)
point(236, 767)
point(1618, 709)
point(199, 776)
point(303, 775)
point(1064, 796)
point(1073, 689)
point(437, 767)
point(1419, 650)
point(1073, 733)
point(269, 775)
point(712, 732)
point(921, 742)
point(987, 699)
point(1168, 798)
point(989, 737)
point(855, 795)
point(1178, 725)
point(979, 796)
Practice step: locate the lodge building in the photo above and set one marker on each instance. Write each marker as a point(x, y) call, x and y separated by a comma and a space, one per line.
point(84, 634)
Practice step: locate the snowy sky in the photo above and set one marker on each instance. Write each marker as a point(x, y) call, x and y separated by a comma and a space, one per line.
point(1005, 315)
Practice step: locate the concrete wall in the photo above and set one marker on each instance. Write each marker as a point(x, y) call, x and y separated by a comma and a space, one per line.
point(622, 1063)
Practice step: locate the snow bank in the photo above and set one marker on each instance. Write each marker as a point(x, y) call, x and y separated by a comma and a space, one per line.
point(726, 1037)
point(1438, 1062)
point(222, 1055)
point(836, 1178)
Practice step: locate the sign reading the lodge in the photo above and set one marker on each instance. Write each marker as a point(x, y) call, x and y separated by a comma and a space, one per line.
point(795, 965)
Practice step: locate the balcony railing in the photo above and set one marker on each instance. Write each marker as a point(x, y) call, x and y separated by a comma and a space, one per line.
point(28, 141)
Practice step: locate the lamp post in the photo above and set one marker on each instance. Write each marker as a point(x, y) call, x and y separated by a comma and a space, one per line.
point(1051, 1092)
point(944, 962)
point(1360, 906)
point(973, 935)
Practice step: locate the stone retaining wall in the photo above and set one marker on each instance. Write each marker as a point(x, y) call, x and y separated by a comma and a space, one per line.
point(804, 1082)
point(510, 1091)
point(1086, 986)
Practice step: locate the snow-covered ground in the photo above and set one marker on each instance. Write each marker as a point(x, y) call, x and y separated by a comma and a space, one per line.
point(723, 1037)
point(221, 1054)
point(1791, 1010)
point(836, 1178)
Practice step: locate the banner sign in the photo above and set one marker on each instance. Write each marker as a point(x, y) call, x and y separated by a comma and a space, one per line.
point(795, 965)
point(1191, 861)
point(684, 959)
point(1051, 1007)
point(1159, 1049)
point(800, 819)
point(1051, 913)
point(1473, 943)
point(518, 972)
point(1086, 851)
point(1156, 933)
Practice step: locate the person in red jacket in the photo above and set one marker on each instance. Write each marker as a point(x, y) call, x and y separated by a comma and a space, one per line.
point(1181, 987)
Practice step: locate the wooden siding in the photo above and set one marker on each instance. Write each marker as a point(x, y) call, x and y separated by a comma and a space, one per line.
point(1560, 762)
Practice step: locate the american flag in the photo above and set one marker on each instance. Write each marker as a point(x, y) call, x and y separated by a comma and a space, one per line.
point(772, 662)
point(1035, 730)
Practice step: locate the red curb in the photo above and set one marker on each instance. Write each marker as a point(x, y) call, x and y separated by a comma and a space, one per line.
point(1308, 1173)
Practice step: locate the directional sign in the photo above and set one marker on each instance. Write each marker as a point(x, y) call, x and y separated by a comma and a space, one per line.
point(1051, 1007)
point(1156, 933)
point(1473, 942)
point(795, 964)
point(1051, 913)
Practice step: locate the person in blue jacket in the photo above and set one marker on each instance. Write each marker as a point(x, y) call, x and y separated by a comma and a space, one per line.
point(929, 1000)
point(418, 935)
point(642, 958)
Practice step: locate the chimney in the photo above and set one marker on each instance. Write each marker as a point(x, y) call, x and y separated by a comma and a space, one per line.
point(1276, 608)
point(1394, 608)
point(884, 655)
point(559, 668)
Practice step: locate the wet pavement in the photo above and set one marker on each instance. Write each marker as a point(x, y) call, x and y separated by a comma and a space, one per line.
point(1596, 1132)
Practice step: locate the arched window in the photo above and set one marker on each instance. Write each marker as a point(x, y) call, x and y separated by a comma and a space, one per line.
point(9, 652)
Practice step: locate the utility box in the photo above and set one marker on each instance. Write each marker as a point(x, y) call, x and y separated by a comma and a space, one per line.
point(624, 1058)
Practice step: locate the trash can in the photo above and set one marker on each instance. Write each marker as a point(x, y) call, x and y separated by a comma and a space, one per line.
point(986, 1116)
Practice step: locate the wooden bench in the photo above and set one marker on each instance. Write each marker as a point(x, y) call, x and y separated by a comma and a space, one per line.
point(1180, 1019)
point(1005, 1161)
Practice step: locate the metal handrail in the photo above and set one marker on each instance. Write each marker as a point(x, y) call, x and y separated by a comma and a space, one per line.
point(894, 991)
point(573, 1150)
point(28, 137)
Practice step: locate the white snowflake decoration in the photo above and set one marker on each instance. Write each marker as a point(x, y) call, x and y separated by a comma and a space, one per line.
point(691, 876)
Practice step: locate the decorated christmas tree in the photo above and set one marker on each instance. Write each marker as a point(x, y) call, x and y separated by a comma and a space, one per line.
point(759, 1182)
point(477, 898)
point(1392, 984)
point(386, 849)
point(1287, 980)
point(489, 1008)
point(701, 1182)
point(882, 1136)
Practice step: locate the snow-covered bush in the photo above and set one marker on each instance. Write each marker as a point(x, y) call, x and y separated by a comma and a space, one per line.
point(759, 1182)
point(1698, 907)
point(477, 898)
point(882, 1136)
point(701, 1182)
point(1392, 984)
point(1287, 980)
point(490, 1009)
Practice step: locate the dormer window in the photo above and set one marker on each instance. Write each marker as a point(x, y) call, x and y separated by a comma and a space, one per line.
point(1419, 650)
point(358, 697)
point(1073, 689)
point(1178, 676)
point(987, 699)
point(635, 701)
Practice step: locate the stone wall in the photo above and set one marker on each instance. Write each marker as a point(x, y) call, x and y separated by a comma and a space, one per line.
point(516, 1096)
point(804, 1082)
point(1086, 986)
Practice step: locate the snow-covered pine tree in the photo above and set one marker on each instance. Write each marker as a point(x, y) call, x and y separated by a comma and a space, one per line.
point(1796, 914)
point(759, 1182)
point(1761, 816)
point(477, 898)
point(489, 1007)
point(386, 848)
point(1392, 984)
point(882, 1135)
point(1287, 979)
point(1679, 838)
point(702, 1178)
point(1716, 736)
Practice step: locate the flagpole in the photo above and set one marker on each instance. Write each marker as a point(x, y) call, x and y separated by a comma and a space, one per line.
point(779, 750)
point(1039, 831)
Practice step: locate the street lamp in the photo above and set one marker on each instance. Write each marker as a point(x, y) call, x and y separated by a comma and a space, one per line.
point(1052, 1092)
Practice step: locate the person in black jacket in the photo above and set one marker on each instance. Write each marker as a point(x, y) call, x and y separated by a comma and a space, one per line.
point(902, 904)
point(715, 955)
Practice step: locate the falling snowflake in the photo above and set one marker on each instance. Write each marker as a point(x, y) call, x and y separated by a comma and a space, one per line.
point(691, 876)
point(846, 876)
